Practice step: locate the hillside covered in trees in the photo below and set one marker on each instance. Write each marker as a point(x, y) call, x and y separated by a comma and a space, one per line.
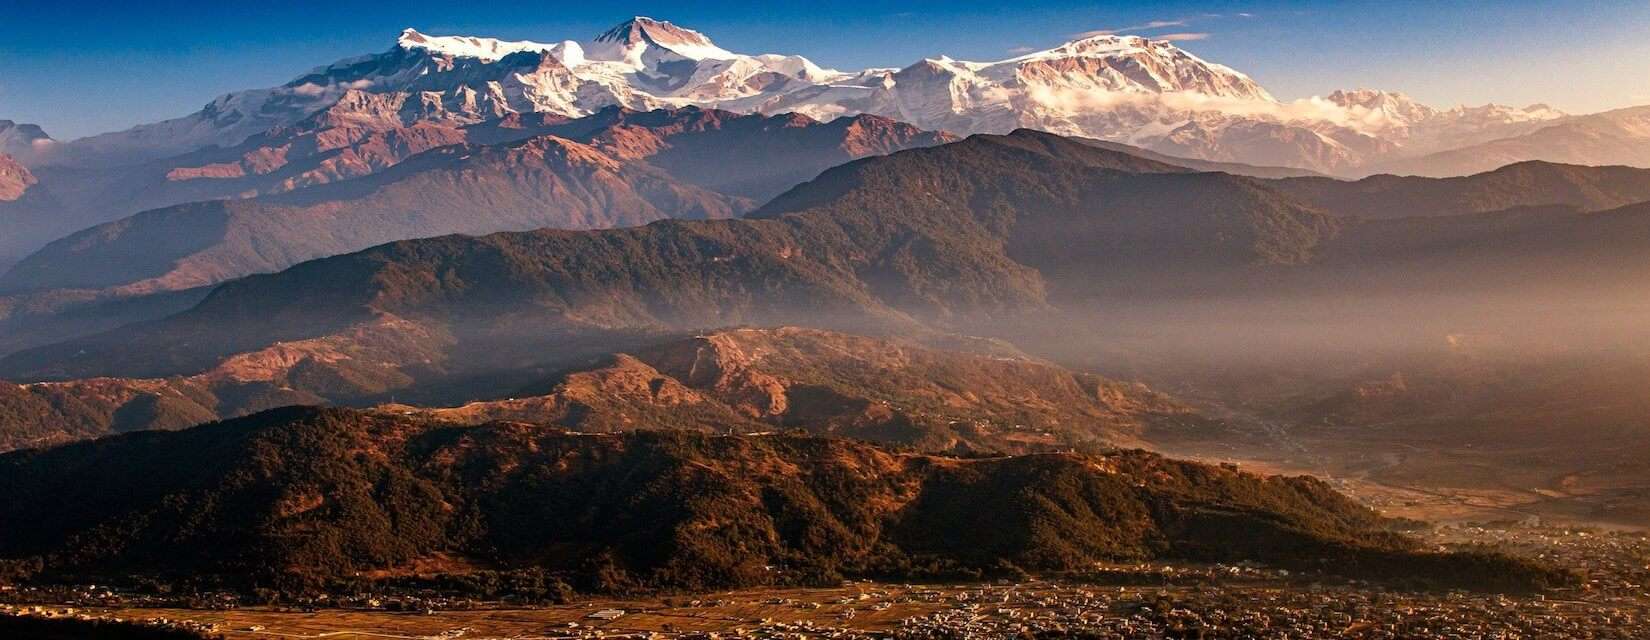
point(304, 499)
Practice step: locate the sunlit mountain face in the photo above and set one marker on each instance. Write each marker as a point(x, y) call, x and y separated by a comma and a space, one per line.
point(1123, 88)
point(637, 334)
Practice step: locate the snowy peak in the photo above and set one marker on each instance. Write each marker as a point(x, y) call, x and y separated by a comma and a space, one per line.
point(1368, 97)
point(1105, 44)
point(1122, 88)
point(1405, 109)
point(629, 39)
point(486, 49)
point(1424, 129)
point(1111, 62)
point(1397, 107)
point(1105, 63)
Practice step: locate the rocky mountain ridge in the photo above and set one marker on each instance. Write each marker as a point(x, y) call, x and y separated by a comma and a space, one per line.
point(1120, 88)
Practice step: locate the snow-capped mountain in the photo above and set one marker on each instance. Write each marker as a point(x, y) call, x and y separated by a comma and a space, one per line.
point(640, 64)
point(1617, 137)
point(1126, 89)
point(1096, 79)
point(1423, 129)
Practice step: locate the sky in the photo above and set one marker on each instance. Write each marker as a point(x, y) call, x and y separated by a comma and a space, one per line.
point(79, 68)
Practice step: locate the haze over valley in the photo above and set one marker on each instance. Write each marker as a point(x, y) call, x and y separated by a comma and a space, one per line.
point(472, 323)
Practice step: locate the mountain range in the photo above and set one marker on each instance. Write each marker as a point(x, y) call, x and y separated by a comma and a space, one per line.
point(363, 116)
point(1611, 138)
point(613, 168)
point(973, 395)
point(984, 235)
point(907, 239)
point(987, 398)
point(1119, 88)
point(638, 312)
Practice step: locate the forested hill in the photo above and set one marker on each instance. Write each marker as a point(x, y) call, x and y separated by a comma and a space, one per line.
point(304, 498)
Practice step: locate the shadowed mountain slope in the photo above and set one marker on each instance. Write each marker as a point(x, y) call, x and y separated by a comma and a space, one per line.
point(668, 157)
point(744, 380)
point(837, 384)
point(305, 499)
point(984, 236)
point(541, 182)
point(946, 236)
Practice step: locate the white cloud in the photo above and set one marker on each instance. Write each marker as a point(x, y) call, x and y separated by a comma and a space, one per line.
point(1145, 26)
point(1173, 106)
point(1090, 34)
point(1181, 37)
point(1020, 50)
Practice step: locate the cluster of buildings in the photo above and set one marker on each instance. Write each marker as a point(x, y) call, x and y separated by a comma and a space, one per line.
point(1246, 601)
point(1123, 601)
point(1282, 613)
point(1615, 564)
point(190, 627)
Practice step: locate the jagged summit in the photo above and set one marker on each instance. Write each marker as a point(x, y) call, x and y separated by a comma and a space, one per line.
point(628, 39)
point(1134, 64)
point(1103, 44)
point(1125, 89)
point(642, 28)
point(1396, 116)
point(487, 49)
point(1400, 101)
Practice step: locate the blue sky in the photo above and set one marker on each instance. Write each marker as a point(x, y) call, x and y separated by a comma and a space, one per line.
point(79, 68)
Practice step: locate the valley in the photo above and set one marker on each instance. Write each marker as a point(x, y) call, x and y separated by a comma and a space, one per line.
point(1407, 477)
